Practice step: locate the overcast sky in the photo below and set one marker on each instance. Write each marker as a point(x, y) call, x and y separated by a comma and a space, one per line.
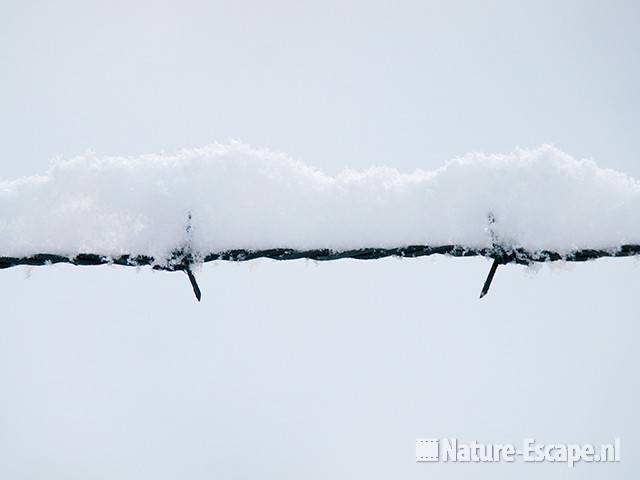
point(294, 369)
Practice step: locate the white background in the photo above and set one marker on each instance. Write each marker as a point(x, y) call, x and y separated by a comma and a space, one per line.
point(292, 369)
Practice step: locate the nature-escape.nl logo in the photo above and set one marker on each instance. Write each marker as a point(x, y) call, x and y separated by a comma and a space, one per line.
point(451, 450)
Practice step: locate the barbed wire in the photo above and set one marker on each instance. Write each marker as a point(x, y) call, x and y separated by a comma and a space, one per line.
point(184, 259)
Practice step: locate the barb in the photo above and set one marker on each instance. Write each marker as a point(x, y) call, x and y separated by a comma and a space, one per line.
point(194, 283)
point(187, 258)
point(487, 283)
point(499, 257)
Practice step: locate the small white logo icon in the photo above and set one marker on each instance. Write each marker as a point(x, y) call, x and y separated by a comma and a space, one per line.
point(427, 450)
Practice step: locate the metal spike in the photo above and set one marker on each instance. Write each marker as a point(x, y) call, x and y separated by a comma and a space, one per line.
point(194, 283)
point(487, 283)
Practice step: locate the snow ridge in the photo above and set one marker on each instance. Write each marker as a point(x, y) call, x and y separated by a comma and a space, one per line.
point(239, 197)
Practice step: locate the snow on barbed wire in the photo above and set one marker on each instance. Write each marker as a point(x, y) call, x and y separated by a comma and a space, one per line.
point(241, 197)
